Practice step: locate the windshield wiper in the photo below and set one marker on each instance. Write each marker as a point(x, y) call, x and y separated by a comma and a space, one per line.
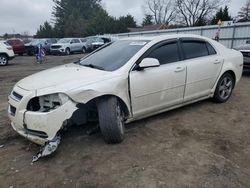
point(94, 66)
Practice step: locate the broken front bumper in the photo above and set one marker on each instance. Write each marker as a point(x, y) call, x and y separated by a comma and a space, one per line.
point(38, 127)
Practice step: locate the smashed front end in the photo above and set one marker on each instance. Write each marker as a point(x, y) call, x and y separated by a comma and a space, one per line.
point(39, 118)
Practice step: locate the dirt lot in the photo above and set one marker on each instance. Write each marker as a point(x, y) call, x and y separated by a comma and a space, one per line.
point(201, 145)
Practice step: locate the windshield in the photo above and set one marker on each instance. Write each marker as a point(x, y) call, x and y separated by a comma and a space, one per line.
point(64, 41)
point(37, 41)
point(115, 55)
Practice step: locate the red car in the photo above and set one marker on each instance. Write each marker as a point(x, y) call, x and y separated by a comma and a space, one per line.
point(17, 45)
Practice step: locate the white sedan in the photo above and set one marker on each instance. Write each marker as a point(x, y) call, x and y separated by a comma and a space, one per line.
point(124, 81)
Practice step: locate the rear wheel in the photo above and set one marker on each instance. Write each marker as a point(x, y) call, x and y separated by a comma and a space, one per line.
point(111, 120)
point(3, 60)
point(224, 88)
point(30, 53)
point(84, 50)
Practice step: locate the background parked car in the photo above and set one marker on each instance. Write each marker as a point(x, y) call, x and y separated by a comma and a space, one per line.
point(92, 43)
point(67, 46)
point(27, 40)
point(17, 45)
point(32, 47)
point(245, 50)
point(6, 53)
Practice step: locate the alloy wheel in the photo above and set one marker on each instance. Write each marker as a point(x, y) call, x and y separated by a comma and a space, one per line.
point(226, 87)
point(3, 60)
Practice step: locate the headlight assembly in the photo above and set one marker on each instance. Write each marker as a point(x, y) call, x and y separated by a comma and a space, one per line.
point(47, 103)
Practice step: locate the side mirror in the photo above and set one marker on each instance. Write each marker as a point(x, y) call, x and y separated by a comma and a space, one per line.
point(71, 42)
point(149, 62)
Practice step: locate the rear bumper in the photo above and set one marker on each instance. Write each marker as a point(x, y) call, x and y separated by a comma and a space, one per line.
point(19, 51)
point(246, 55)
point(11, 57)
point(246, 62)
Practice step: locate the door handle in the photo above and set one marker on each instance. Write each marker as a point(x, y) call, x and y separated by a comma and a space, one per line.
point(217, 61)
point(179, 69)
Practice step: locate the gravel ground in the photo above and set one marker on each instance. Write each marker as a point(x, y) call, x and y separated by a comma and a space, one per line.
point(200, 145)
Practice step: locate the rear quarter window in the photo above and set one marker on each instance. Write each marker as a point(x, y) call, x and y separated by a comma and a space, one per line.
point(210, 49)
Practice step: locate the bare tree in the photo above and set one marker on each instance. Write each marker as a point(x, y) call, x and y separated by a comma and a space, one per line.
point(25, 33)
point(193, 12)
point(244, 13)
point(162, 10)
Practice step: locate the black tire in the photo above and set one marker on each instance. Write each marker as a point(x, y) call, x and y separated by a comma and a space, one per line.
point(224, 88)
point(84, 50)
point(111, 120)
point(29, 53)
point(67, 51)
point(3, 60)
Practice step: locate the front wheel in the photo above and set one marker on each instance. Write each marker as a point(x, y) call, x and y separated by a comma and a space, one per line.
point(111, 120)
point(67, 51)
point(224, 88)
point(3, 60)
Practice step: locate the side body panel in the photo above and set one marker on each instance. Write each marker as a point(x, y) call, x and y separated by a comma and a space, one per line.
point(156, 88)
point(202, 74)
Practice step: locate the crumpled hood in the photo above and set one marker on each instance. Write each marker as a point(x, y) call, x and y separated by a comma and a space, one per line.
point(65, 77)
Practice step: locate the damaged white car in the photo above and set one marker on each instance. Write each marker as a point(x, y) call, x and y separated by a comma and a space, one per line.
point(124, 81)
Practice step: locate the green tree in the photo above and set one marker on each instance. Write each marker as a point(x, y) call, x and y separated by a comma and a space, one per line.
point(79, 18)
point(221, 14)
point(147, 20)
point(128, 21)
point(200, 22)
point(6, 36)
point(73, 13)
point(102, 23)
point(45, 31)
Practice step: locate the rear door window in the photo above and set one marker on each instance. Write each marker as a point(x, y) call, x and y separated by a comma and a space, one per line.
point(194, 49)
point(76, 41)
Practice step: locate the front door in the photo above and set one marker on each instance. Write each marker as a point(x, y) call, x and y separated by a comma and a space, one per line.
point(156, 88)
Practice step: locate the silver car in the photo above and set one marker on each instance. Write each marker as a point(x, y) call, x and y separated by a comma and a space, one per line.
point(245, 50)
point(67, 46)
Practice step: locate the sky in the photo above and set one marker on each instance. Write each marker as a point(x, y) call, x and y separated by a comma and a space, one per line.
point(18, 16)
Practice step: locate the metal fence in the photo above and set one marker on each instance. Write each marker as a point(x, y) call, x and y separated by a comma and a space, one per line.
point(230, 36)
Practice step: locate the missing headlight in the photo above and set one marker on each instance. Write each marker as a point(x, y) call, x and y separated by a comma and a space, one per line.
point(34, 105)
point(46, 103)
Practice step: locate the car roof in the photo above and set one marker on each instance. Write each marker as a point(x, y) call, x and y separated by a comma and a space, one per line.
point(70, 38)
point(14, 39)
point(164, 37)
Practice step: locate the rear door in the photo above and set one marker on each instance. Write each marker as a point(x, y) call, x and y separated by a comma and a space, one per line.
point(78, 45)
point(73, 45)
point(203, 67)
